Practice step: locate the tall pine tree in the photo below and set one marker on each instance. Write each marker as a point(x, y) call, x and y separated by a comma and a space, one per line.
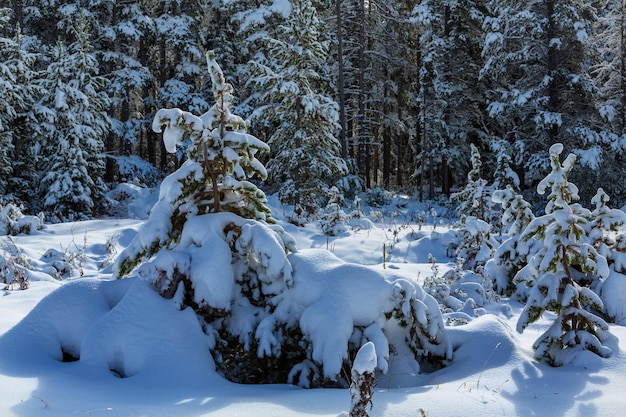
point(449, 97)
point(293, 87)
point(538, 88)
point(74, 131)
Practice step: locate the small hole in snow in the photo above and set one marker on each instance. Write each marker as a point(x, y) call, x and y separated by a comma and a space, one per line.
point(69, 356)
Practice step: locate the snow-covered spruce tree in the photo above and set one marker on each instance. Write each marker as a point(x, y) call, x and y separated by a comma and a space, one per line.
point(511, 255)
point(504, 176)
point(536, 57)
point(608, 70)
point(212, 179)
point(270, 315)
point(306, 160)
point(20, 91)
point(449, 97)
point(74, 129)
point(474, 208)
point(7, 99)
point(607, 232)
point(561, 273)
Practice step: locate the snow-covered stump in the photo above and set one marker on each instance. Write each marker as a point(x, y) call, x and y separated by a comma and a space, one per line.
point(363, 380)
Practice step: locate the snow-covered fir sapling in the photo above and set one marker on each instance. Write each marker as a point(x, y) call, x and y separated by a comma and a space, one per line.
point(475, 199)
point(559, 274)
point(474, 207)
point(511, 255)
point(607, 232)
point(212, 179)
point(332, 219)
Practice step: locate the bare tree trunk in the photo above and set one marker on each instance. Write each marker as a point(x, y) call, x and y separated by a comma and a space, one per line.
point(341, 81)
point(363, 160)
point(622, 119)
point(18, 12)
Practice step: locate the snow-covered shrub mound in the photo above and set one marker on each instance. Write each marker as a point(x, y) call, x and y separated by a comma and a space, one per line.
point(340, 306)
point(129, 200)
point(461, 294)
point(208, 245)
point(292, 318)
point(14, 222)
point(480, 347)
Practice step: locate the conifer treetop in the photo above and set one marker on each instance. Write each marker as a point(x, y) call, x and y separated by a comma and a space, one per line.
point(562, 191)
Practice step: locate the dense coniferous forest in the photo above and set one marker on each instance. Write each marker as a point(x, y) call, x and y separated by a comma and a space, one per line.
point(349, 94)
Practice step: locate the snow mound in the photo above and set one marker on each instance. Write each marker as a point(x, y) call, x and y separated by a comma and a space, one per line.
point(485, 343)
point(108, 329)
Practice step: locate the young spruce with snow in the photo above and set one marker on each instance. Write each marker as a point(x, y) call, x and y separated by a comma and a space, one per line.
point(272, 314)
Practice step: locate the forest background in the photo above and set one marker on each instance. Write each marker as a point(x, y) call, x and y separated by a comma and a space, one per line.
point(350, 94)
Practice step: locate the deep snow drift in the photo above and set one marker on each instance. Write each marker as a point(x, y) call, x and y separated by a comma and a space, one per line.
point(141, 356)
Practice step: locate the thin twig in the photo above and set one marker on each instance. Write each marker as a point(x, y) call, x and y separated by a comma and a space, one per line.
point(485, 364)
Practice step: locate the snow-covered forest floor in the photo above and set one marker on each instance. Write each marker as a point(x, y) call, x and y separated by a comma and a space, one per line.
point(125, 328)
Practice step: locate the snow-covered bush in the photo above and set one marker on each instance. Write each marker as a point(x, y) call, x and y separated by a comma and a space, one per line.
point(377, 197)
point(461, 294)
point(13, 264)
point(64, 263)
point(14, 222)
point(271, 314)
point(134, 170)
point(562, 273)
point(131, 201)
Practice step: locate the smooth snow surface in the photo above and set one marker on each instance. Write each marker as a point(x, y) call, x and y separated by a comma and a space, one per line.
point(140, 356)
